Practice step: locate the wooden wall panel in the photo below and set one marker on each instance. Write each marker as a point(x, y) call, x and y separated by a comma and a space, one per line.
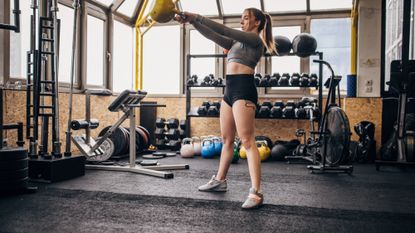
point(357, 109)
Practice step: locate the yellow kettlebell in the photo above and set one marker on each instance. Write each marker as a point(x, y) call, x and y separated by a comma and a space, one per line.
point(162, 11)
point(263, 149)
point(242, 152)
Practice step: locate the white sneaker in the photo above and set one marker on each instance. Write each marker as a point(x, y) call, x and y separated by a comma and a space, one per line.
point(214, 186)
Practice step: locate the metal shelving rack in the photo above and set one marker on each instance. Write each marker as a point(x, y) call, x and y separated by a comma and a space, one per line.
point(193, 112)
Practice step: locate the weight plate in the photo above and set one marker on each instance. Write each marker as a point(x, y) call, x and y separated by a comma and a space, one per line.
point(410, 147)
point(171, 154)
point(12, 153)
point(146, 135)
point(117, 137)
point(13, 165)
point(106, 149)
point(153, 157)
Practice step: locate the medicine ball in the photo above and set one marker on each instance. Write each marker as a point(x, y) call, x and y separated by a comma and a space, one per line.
point(283, 44)
point(304, 45)
point(279, 151)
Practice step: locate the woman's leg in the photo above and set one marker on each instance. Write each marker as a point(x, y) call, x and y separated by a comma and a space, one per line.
point(244, 115)
point(228, 129)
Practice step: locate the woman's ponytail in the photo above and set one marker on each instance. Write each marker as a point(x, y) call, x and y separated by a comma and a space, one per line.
point(267, 35)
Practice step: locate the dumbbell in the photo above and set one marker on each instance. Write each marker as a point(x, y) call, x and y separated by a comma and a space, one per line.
point(273, 82)
point(174, 144)
point(213, 111)
point(84, 124)
point(295, 80)
point(304, 80)
point(208, 80)
point(183, 124)
point(300, 113)
point(160, 143)
point(192, 81)
point(257, 79)
point(172, 123)
point(160, 122)
point(284, 80)
point(279, 103)
point(217, 82)
point(264, 82)
point(276, 112)
point(289, 109)
point(313, 80)
point(172, 134)
point(264, 110)
point(182, 134)
point(159, 133)
point(216, 103)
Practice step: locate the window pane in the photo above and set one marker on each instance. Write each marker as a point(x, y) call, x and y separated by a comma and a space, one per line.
point(238, 6)
point(330, 4)
point(393, 35)
point(203, 7)
point(65, 14)
point(200, 45)
point(286, 64)
point(333, 39)
point(162, 60)
point(283, 5)
point(122, 76)
point(20, 42)
point(95, 52)
point(128, 7)
point(105, 2)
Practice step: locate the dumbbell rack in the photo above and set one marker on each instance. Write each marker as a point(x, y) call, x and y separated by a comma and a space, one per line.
point(192, 112)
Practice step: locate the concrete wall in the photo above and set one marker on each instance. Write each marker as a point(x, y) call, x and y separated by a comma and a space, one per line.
point(369, 48)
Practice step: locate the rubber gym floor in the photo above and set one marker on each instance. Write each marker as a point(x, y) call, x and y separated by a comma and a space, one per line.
point(295, 201)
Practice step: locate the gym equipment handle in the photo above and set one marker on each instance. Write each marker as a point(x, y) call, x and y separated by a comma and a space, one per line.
point(327, 64)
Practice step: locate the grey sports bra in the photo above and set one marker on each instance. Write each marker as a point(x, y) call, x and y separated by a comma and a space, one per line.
point(244, 47)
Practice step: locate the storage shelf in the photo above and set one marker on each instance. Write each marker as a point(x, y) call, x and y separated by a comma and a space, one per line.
point(193, 113)
point(286, 86)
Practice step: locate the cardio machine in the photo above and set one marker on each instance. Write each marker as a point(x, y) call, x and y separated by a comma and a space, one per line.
point(328, 147)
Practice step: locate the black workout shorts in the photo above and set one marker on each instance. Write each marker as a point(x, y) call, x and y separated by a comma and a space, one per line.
point(240, 87)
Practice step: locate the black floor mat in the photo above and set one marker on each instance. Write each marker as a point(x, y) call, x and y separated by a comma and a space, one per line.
point(60, 210)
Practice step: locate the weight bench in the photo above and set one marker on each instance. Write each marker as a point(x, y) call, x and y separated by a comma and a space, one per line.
point(127, 101)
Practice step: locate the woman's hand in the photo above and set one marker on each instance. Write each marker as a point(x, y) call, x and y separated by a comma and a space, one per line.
point(185, 17)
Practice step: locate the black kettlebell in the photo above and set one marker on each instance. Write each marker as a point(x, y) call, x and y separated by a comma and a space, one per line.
point(284, 80)
point(295, 79)
point(276, 112)
point(304, 80)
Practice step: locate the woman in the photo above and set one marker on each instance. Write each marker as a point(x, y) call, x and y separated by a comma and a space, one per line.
point(237, 112)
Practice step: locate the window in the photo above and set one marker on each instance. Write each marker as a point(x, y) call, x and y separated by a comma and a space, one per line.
point(95, 51)
point(330, 4)
point(205, 7)
point(200, 45)
point(283, 5)
point(238, 6)
point(65, 14)
point(128, 7)
point(123, 54)
point(20, 42)
point(286, 64)
point(105, 2)
point(161, 71)
point(333, 39)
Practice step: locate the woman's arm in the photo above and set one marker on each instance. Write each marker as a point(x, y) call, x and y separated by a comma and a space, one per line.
point(222, 41)
point(249, 38)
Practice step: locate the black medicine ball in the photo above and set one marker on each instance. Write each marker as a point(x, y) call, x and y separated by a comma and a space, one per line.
point(283, 44)
point(304, 45)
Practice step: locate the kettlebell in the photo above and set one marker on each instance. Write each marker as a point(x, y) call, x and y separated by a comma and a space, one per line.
point(208, 148)
point(242, 152)
point(197, 147)
point(263, 149)
point(187, 150)
point(235, 157)
point(217, 142)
